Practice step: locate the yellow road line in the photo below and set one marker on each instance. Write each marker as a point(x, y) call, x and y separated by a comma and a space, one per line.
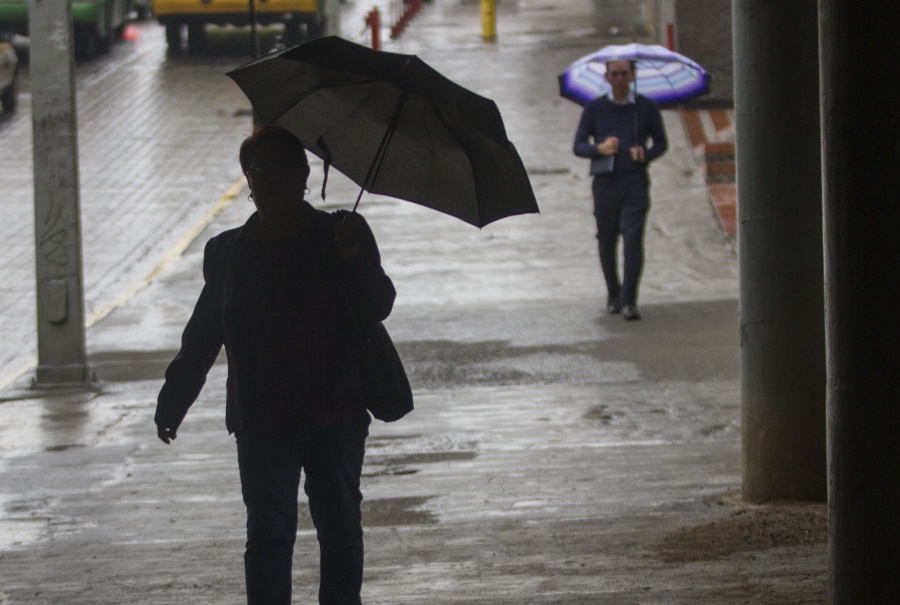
point(176, 251)
point(13, 376)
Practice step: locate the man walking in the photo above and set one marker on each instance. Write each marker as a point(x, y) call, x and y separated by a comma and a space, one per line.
point(613, 133)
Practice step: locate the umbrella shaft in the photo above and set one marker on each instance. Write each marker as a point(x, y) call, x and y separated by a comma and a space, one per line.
point(378, 160)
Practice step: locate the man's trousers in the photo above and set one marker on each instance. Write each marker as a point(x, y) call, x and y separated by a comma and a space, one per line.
point(621, 202)
point(331, 458)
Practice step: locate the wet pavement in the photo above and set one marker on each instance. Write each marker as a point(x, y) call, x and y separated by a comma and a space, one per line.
point(556, 455)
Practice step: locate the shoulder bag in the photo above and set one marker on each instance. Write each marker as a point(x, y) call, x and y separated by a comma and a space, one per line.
point(385, 385)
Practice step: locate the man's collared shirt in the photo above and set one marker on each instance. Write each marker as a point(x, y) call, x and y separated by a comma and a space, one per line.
point(629, 101)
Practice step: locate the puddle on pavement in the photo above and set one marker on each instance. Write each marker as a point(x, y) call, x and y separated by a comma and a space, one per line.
point(389, 456)
point(444, 364)
point(388, 512)
point(409, 510)
point(62, 448)
point(547, 170)
point(72, 413)
point(399, 465)
point(29, 520)
point(37, 420)
point(600, 412)
point(127, 366)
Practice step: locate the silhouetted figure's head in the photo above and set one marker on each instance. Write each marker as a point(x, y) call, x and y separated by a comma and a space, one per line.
point(275, 164)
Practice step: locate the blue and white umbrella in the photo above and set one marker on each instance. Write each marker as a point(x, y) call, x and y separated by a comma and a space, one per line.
point(663, 75)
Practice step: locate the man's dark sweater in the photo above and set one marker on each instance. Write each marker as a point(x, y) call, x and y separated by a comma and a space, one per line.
point(603, 118)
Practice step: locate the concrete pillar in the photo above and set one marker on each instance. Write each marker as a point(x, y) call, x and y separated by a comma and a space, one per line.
point(57, 222)
point(776, 96)
point(861, 191)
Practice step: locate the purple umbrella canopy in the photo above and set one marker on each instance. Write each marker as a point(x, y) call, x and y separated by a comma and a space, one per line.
point(663, 75)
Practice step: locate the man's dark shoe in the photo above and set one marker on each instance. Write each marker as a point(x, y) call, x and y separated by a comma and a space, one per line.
point(630, 313)
point(613, 305)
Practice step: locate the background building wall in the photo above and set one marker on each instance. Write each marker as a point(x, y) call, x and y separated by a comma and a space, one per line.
point(703, 33)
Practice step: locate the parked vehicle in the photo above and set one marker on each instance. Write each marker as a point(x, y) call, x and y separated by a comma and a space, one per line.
point(9, 76)
point(301, 18)
point(98, 23)
point(144, 9)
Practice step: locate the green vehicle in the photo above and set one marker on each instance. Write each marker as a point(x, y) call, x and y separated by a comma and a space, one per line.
point(98, 23)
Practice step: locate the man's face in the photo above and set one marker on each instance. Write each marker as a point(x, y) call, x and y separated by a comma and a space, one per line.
point(619, 75)
point(272, 176)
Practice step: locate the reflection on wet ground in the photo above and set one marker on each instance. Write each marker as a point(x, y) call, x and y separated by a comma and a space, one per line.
point(402, 454)
point(389, 512)
point(128, 366)
point(38, 420)
point(399, 465)
point(30, 519)
point(674, 342)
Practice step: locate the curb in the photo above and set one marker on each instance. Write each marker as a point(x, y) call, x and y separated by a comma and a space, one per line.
point(711, 135)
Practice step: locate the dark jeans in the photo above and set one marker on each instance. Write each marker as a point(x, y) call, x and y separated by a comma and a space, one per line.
point(621, 203)
point(332, 458)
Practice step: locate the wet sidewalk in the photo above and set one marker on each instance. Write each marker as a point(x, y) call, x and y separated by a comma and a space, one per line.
point(557, 455)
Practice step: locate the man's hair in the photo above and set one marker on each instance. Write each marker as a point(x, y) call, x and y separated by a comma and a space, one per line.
point(632, 64)
point(277, 139)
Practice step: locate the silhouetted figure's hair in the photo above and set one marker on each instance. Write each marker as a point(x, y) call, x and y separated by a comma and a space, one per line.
point(275, 139)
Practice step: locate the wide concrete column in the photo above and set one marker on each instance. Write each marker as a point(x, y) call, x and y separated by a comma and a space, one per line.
point(780, 249)
point(57, 215)
point(861, 168)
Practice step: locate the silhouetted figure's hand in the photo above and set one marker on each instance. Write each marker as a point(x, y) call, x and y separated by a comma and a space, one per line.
point(347, 235)
point(165, 435)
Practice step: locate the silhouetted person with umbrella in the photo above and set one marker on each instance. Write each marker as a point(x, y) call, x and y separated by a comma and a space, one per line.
point(613, 133)
point(285, 294)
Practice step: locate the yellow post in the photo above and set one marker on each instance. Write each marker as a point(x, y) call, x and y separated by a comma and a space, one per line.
point(489, 20)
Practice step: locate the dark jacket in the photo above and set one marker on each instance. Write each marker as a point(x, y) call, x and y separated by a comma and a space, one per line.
point(287, 314)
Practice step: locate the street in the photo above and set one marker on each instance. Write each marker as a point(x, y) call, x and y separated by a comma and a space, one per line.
point(556, 455)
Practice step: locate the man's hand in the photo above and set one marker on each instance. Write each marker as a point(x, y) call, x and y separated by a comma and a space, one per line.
point(347, 235)
point(609, 146)
point(165, 435)
point(637, 153)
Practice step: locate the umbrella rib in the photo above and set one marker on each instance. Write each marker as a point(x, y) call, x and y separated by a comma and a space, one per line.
point(465, 150)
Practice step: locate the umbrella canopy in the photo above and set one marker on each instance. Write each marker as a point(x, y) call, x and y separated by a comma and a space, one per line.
point(663, 75)
point(393, 125)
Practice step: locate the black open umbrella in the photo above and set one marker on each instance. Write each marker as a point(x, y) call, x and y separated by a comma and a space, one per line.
point(393, 125)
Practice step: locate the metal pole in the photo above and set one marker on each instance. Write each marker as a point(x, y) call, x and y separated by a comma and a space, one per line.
point(57, 217)
point(254, 28)
point(489, 20)
point(373, 22)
